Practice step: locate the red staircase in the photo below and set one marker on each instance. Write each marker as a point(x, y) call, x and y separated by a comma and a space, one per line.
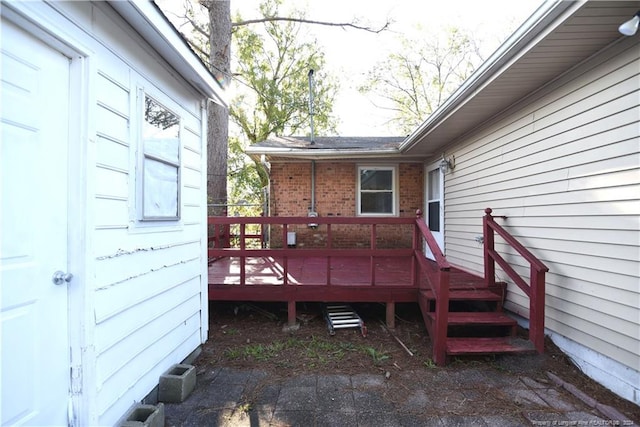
point(463, 313)
point(475, 323)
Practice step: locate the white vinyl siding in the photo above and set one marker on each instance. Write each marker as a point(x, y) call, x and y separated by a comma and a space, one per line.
point(565, 169)
point(112, 160)
point(147, 278)
point(138, 298)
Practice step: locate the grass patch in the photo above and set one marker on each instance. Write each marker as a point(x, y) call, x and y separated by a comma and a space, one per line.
point(264, 352)
point(245, 407)
point(316, 351)
point(233, 353)
point(429, 363)
point(377, 356)
point(324, 351)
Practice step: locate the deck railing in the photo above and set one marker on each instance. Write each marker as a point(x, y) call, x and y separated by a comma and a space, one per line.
point(236, 237)
point(227, 235)
point(221, 246)
point(424, 274)
point(219, 234)
point(438, 280)
point(534, 288)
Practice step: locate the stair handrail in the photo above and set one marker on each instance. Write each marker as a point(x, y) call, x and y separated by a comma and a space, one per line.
point(439, 284)
point(431, 242)
point(535, 289)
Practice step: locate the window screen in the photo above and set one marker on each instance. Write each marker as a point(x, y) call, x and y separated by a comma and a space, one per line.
point(161, 162)
point(376, 191)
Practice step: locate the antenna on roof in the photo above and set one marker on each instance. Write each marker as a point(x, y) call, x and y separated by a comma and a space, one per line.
point(311, 104)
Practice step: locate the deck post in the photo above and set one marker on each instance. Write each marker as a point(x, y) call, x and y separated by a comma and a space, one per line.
point(536, 309)
point(243, 247)
point(391, 314)
point(415, 243)
point(285, 258)
point(489, 263)
point(291, 313)
point(442, 318)
point(372, 265)
point(329, 248)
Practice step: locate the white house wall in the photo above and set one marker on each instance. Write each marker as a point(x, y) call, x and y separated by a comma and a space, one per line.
point(148, 280)
point(145, 283)
point(564, 167)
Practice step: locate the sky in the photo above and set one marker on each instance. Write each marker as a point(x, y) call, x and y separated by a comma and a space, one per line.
point(350, 54)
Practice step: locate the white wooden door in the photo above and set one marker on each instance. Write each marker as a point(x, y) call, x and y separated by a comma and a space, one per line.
point(434, 205)
point(33, 244)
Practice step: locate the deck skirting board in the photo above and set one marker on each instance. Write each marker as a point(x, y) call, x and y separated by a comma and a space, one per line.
point(312, 293)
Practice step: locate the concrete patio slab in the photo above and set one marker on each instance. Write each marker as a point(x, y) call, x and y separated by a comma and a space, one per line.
point(233, 397)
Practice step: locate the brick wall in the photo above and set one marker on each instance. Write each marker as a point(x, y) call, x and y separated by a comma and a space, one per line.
point(290, 195)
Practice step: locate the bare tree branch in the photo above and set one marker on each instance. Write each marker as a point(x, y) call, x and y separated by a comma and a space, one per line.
point(206, 4)
point(196, 26)
point(185, 16)
point(309, 21)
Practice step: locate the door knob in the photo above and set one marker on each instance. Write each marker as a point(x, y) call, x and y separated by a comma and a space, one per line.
point(60, 278)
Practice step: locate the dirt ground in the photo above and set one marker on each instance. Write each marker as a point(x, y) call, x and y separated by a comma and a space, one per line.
point(250, 335)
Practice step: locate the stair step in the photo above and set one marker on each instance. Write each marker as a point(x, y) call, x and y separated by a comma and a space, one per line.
point(465, 295)
point(460, 346)
point(478, 318)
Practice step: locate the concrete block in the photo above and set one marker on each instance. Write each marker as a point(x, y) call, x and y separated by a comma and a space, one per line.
point(177, 383)
point(145, 416)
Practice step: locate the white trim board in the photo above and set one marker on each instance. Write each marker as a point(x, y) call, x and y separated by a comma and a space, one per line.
point(620, 379)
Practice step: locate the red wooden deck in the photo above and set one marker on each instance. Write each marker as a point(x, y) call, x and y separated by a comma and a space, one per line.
point(376, 274)
point(334, 279)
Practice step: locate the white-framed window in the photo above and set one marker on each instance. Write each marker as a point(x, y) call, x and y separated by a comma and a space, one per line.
point(377, 193)
point(160, 162)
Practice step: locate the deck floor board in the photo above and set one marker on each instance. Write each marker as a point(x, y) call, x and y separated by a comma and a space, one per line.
point(307, 278)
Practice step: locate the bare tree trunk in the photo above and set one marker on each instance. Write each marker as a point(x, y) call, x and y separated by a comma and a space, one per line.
point(218, 116)
point(217, 140)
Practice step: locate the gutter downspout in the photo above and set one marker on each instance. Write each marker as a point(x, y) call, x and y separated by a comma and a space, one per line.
point(312, 208)
point(311, 87)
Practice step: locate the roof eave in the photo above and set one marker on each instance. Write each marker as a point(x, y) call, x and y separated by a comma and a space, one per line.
point(539, 22)
point(149, 21)
point(323, 154)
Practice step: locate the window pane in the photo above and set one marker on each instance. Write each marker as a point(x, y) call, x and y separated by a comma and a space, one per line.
point(160, 131)
point(434, 216)
point(376, 203)
point(376, 179)
point(434, 184)
point(160, 190)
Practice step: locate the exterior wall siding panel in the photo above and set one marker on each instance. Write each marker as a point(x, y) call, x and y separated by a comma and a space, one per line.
point(146, 283)
point(115, 329)
point(565, 170)
point(152, 361)
point(108, 243)
point(122, 266)
point(137, 303)
point(130, 346)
